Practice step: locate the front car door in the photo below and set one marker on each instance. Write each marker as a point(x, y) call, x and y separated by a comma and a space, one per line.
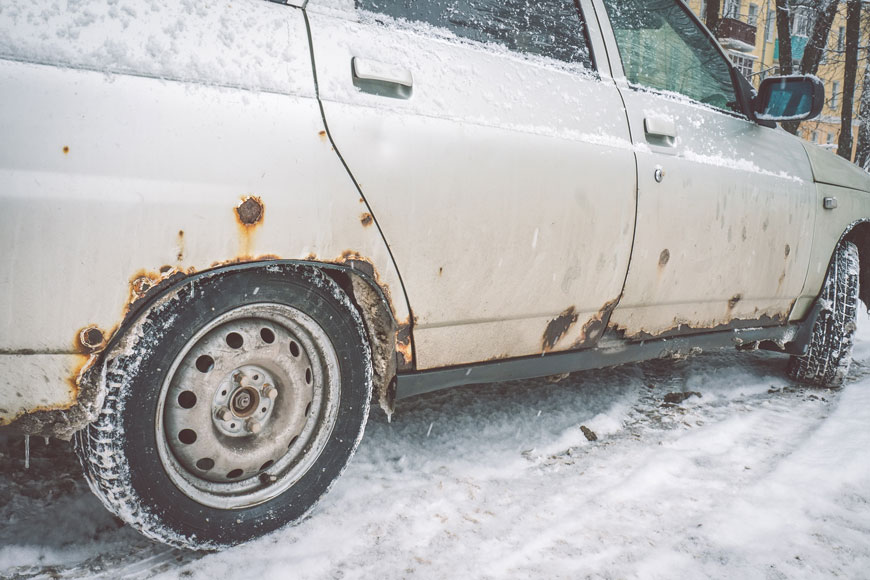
point(725, 206)
point(495, 159)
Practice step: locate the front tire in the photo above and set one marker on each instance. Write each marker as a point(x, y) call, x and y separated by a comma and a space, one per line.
point(232, 406)
point(829, 355)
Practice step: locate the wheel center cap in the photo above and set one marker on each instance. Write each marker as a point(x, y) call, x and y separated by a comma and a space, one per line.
point(245, 401)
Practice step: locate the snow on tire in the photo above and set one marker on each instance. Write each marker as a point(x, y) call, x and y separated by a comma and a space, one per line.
point(829, 355)
point(233, 404)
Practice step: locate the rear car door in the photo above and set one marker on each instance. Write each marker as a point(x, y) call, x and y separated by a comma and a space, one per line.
point(725, 206)
point(495, 159)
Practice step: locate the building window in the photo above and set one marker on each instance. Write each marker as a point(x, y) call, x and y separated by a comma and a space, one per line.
point(743, 62)
point(753, 15)
point(835, 91)
point(770, 26)
point(830, 138)
point(814, 137)
point(732, 9)
point(802, 21)
point(841, 39)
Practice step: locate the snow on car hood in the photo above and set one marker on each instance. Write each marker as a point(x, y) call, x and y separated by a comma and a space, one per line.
point(834, 170)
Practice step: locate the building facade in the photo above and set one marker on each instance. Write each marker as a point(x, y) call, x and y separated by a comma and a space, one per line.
point(747, 31)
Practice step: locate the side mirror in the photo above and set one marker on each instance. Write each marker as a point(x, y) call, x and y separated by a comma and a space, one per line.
point(795, 98)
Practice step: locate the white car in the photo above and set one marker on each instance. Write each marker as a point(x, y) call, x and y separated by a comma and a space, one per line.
point(227, 227)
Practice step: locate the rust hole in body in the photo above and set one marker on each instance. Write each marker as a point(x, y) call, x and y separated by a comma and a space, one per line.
point(91, 338)
point(558, 327)
point(250, 211)
point(366, 219)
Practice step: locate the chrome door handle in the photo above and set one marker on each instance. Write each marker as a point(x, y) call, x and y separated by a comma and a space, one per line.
point(382, 79)
point(660, 130)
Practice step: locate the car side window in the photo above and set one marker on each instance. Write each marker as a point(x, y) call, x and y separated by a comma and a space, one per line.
point(663, 48)
point(550, 28)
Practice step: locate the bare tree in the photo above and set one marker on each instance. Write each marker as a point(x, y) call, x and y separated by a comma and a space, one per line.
point(853, 25)
point(818, 42)
point(711, 15)
point(862, 153)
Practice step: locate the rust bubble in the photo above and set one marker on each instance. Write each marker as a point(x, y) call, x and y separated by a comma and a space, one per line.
point(322, 135)
point(366, 219)
point(180, 255)
point(66, 149)
point(664, 258)
point(250, 211)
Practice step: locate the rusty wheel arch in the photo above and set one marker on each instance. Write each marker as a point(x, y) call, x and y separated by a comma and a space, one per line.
point(370, 299)
point(858, 233)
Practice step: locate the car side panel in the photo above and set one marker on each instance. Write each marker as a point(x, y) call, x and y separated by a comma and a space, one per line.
point(505, 187)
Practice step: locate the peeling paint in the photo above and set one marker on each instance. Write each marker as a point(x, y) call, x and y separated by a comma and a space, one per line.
point(594, 328)
point(366, 219)
point(732, 302)
point(558, 327)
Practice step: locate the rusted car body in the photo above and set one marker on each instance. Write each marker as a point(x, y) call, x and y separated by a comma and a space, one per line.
point(491, 215)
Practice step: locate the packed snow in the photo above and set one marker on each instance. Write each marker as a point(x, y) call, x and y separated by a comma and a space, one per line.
point(716, 466)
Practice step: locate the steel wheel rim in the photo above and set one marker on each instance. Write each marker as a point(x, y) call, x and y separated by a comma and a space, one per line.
point(249, 444)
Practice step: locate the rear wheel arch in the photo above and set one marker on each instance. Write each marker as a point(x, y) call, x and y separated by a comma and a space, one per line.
point(858, 233)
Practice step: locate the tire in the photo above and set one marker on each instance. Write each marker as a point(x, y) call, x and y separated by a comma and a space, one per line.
point(232, 406)
point(829, 355)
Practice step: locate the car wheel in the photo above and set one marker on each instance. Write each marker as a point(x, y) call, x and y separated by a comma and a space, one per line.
point(232, 406)
point(829, 355)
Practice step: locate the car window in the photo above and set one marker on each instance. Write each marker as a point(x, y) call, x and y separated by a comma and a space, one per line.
point(663, 48)
point(550, 28)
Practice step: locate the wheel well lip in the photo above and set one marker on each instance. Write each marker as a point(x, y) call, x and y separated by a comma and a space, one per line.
point(178, 281)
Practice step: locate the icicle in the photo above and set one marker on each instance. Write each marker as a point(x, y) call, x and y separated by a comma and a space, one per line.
point(27, 452)
point(46, 440)
point(430, 429)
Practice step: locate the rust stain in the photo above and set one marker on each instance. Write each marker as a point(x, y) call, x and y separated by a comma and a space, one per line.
point(249, 214)
point(180, 243)
point(787, 250)
point(403, 347)
point(664, 258)
point(441, 270)
point(65, 149)
point(558, 327)
point(366, 219)
point(732, 302)
point(322, 135)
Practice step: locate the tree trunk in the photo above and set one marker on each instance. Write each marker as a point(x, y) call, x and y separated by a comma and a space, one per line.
point(711, 16)
point(819, 37)
point(853, 24)
point(862, 153)
point(827, 10)
point(783, 33)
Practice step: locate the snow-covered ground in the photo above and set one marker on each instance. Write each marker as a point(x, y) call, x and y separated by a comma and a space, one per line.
point(754, 478)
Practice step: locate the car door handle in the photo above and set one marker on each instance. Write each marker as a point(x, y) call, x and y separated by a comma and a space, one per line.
point(382, 79)
point(660, 130)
